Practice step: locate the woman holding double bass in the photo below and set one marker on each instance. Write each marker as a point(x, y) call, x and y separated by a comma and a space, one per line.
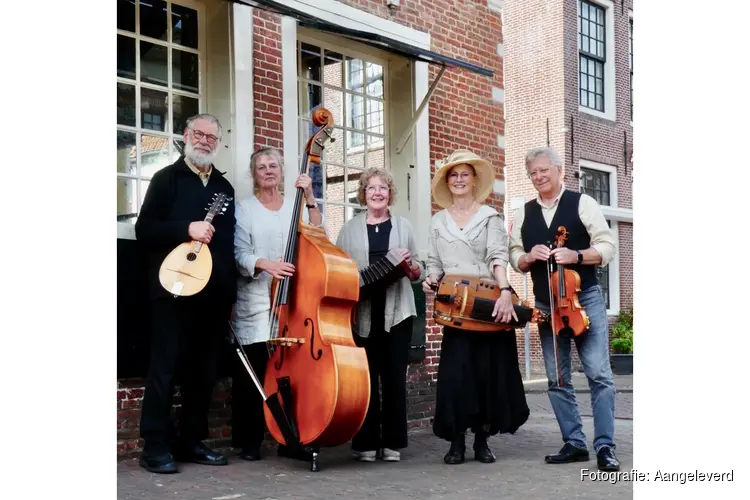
point(479, 384)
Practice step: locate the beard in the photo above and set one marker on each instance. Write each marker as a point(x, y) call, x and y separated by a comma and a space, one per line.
point(197, 158)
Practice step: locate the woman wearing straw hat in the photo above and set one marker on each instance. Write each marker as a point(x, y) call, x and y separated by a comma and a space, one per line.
point(479, 384)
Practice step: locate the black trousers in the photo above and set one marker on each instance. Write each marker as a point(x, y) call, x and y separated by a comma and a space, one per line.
point(186, 335)
point(388, 358)
point(248, 418)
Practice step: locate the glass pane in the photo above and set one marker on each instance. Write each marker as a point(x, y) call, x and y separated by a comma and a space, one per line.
point(126, 152)
point(154, 19)
point(334, 102)
point(585, 47)
point(374, 119)
point(374, 80)
point(125, 57)
point(153, 109)
point(334, 151)
point(310, 62)
point(334, 183)
point(126, 15)
point(599, 103)
point(600, 49)
point(334, 220)
point(354, 143)
point(352, 184)
point(154, 154)
point(316, 174)
point(376, 158)
point(126, 196)
point(184, 71)
point(355, 112)
point(310, 99)
point(334, 67)
point(306, 130)
point(355, 74)
point(125, 104)
point(184, 26)
point(182, 109)
point(153, 63)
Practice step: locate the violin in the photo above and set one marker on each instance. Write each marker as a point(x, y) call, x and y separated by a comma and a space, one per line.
point(320, 374)
point(467, 303)
point(567, 316)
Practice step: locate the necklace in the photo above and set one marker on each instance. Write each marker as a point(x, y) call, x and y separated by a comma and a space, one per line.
point(463, 213)
point(377, 223)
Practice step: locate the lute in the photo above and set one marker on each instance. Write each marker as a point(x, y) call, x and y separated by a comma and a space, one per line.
point(187, 268)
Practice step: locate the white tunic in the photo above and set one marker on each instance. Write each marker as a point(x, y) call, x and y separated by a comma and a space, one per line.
point(259, 233)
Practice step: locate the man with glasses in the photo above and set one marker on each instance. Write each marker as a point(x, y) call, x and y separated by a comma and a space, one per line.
point(186, 331)
point(590, 244)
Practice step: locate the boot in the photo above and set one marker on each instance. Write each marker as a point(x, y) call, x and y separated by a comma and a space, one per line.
point(457, 450)
point(482, 452)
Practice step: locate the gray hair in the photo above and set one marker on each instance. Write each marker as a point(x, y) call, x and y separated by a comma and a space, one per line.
point(543, 151)
point(203, 116)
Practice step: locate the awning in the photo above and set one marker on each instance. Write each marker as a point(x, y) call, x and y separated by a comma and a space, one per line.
point(378, 41)
point(366, 37)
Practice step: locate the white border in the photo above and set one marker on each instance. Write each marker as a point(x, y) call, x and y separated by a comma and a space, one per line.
point(610, 94)
point(241, 46)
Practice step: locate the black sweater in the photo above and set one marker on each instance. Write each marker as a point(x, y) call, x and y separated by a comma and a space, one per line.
point(175, 198)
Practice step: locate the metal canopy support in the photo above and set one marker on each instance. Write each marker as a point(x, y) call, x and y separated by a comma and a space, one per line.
point(407, 133)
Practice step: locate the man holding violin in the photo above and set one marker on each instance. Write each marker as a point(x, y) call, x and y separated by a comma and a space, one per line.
point(589, 244)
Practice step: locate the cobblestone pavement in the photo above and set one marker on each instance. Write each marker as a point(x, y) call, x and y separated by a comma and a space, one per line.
point(520, 471)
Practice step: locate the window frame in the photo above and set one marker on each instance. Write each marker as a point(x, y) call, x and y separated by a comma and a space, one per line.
point(630, 60)
point(126, 230)
point(614, 266)
point(351, 208)
point(609, 97)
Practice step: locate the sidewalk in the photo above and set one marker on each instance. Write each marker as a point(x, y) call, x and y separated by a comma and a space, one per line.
point(519, 472)
point(538, 383)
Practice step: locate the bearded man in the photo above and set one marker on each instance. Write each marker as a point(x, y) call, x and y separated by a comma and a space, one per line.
point(186, 331)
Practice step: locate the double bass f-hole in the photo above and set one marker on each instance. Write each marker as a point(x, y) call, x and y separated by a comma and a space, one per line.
point(312, 340)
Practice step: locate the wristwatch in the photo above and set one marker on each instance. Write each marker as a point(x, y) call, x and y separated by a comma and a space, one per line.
point(506, 288)
point(314, 205)
point(580, 256)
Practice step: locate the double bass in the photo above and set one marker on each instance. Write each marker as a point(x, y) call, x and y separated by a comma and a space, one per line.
point(318, 379)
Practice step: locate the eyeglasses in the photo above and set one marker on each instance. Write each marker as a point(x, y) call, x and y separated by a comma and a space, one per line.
point(372, 189)
point(211, 139)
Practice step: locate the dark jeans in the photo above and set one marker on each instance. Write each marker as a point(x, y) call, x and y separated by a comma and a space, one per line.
point(388, 358)
point(186, 335)
point(248, 418)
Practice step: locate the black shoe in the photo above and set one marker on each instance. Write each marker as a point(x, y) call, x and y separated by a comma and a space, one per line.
point(482, 451)
point(159, 464)
point(568, 454)
point(304, 454)
point(457, 451)
point(202, 454)
point(606, 459)
point(252, 454)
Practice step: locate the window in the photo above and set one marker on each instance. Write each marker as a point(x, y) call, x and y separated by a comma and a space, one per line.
point(351, 86)
point(158, 88)
point(595, 183)
point(630, 53)
point(600, 182)
point(592, 55)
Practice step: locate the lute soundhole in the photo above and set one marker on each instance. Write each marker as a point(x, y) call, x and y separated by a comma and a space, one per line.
point(191, 256)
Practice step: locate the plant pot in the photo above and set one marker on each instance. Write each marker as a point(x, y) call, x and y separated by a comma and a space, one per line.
point(622, 364)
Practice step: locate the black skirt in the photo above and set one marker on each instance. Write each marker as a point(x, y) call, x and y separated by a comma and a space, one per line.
point(479, 382)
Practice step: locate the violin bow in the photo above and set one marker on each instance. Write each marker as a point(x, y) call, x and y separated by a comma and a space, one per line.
point(550, 264)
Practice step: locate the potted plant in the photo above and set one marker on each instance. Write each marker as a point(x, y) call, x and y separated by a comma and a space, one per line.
point(621, 357)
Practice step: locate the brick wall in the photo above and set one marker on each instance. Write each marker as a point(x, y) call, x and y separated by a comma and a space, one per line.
point(462, 115)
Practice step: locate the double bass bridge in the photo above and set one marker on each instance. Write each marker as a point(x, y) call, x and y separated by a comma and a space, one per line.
point(287, 341)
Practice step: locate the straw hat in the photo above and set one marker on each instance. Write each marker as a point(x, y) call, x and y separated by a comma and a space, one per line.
point(441, 193)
